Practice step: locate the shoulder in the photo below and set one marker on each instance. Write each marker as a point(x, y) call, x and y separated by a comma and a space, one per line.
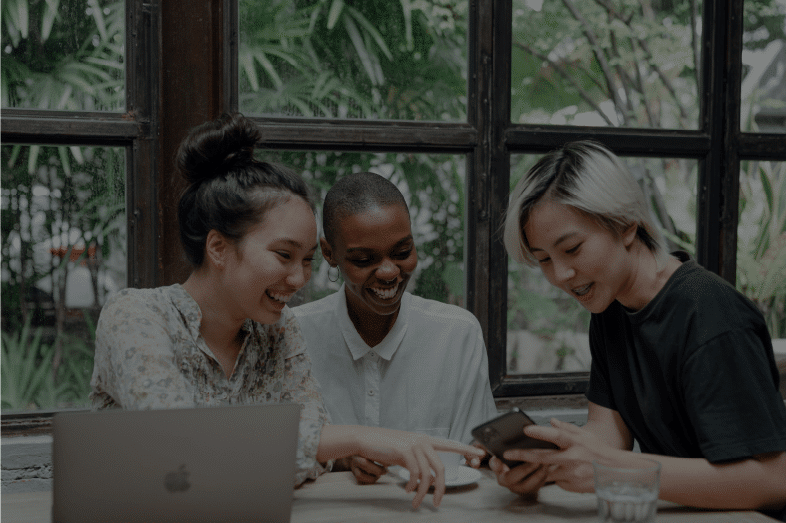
point(131, 302)
point(324, 305)
point(442, 313)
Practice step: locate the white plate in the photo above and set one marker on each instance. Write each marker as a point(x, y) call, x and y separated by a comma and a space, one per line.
point(458, 477)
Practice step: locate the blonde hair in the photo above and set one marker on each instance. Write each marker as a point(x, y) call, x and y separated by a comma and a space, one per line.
point(591, 179)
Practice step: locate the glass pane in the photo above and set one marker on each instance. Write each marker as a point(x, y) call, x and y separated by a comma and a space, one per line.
point(66, 56)
point(763, 92)
point(547, 329)
point(63, 250)
point(432, 184)
point(616, 63)
point(366, 59)
point(761, 242)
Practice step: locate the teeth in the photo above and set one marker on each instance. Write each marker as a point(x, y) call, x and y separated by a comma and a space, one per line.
point(581, 291)
point(385, 294)
point(283, 298)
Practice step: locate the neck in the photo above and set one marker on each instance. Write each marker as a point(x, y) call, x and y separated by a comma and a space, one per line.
point(372, 327)
point(219, 329)
point(647, 278)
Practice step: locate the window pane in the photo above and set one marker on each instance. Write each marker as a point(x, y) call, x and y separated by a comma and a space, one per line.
point(614, 63)
point(66, 56)
point(359, 59)
point(761, 241)
point(763, 92)
point(432, 184)
point(547, 329)
point(63, 250)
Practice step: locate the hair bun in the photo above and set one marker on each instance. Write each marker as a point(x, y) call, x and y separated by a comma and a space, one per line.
point(217, 147)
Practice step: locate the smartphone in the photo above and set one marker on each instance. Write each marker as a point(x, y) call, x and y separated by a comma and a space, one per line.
point(507, 432)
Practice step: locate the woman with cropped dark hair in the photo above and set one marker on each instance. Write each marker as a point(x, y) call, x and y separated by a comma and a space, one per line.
point(226, 335)
point(682, 363)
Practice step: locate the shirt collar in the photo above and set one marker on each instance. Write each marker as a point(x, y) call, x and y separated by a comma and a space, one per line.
point(359, 348)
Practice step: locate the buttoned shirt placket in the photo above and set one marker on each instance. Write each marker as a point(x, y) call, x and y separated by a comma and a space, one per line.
point(371, 371)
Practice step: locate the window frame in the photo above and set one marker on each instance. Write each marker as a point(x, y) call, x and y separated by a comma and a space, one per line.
point(170, 47)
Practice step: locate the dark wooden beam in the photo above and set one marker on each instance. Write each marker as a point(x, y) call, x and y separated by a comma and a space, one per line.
point(192, 91)
point(63, 128)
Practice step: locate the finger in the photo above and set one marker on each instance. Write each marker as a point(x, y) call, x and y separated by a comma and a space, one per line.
point(371, 468)
point(564, 425)
point(497, 466)
point(363, 477)
point(439, 481)
point(424, 476)
point(532, 455)
point(551, 434)
point(455, 446)
point(521, 472)
point(411, 465)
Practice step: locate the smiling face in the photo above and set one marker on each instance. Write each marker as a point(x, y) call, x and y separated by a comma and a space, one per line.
point(271, 262)
point(375, 252)
point(579, 256)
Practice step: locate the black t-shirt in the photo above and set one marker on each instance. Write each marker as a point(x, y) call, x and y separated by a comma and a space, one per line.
point(692, 374)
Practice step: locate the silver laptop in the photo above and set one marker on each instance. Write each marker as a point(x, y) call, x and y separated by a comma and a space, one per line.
point(216, 464)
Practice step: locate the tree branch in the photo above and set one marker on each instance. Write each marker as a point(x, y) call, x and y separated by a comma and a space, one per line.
point(596, 49)
point(566, 74)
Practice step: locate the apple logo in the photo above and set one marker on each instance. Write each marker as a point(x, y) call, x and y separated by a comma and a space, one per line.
point(177, 481)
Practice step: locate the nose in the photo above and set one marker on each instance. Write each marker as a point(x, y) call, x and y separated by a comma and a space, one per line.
point(563, 272)
point(387, 270)
point(299, 276)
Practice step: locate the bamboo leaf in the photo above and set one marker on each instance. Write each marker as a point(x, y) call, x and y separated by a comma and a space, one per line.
point(48, 20)
point(32, 159)
point(360, 49)
point(63, 153)
point(98, 16)
point(371, 30)
point(246, 63)
point(334, 13)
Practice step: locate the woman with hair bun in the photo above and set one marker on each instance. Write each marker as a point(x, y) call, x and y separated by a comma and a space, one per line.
point(682, 363)
point(226, 335)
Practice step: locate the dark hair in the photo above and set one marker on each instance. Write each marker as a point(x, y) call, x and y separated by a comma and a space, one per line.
point(228, 189)
point(356, 193)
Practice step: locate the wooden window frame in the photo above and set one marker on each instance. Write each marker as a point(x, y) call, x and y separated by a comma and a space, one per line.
point(181, 70)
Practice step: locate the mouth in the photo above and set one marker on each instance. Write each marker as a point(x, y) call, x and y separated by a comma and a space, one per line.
point(278, 297)
point(583, 291)
point(385, 294)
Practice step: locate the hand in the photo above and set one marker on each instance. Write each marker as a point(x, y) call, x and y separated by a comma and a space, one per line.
point(417, 453)
point(571, 466)
point(366, 472)
point(525, 479)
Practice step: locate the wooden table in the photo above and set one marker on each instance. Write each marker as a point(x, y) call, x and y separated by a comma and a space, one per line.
point(335, 497)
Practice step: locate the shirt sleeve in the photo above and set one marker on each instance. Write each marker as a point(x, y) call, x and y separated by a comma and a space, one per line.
point(732, 398)
point(475, 404)
point(301, 387)
point(135, 365)
point(599, 388)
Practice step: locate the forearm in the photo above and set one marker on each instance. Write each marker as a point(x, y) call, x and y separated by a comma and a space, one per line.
point(754, 483)
point(338, 441)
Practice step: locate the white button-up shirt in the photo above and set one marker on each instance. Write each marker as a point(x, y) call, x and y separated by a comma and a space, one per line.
point(429, 374)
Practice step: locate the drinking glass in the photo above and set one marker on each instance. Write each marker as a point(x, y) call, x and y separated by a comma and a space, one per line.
point(628, 494)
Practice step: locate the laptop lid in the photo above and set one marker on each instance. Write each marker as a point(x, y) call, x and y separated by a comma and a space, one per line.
point(214, 464)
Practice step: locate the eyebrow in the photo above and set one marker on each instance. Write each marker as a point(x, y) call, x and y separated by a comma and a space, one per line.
point(559, 240)
point(366, 249)
point(296, 244)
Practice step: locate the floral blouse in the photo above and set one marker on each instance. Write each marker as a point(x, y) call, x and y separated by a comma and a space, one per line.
point(150, 355)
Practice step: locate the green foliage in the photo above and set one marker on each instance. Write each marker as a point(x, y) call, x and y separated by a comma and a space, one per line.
point(761, 245)
point(355, 59)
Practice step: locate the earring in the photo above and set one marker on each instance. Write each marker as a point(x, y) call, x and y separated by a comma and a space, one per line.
point(337, 274)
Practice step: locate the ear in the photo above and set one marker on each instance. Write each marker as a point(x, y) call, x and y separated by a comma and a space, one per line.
point(217, 248)
point(327, 251)
point(630, 234)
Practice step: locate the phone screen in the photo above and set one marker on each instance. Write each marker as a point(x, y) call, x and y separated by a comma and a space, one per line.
point(507, 432)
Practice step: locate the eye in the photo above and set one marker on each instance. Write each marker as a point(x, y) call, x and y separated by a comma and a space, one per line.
point(284, 255)
point(544, 260)
point(573, 249)
point(403, 255)
point(361, 262)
